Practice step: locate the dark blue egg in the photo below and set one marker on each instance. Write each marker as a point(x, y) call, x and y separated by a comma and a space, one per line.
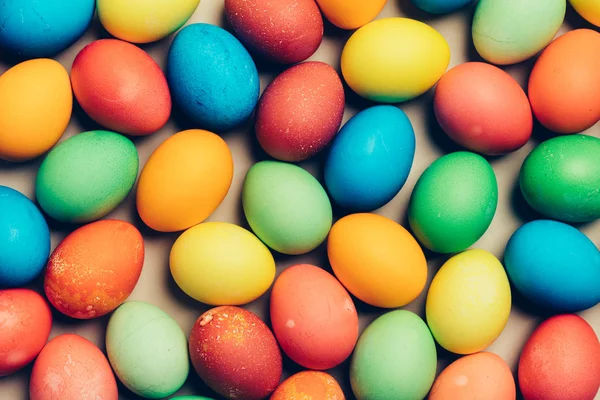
point(440, 6)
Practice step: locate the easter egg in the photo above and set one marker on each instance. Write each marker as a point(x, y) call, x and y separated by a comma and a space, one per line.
point(308, 385)
point(560, 178)
point(86, 176)
point(184, 180)
point(24, 239)
point(35, 108)
point(286, 207)
point(212, 77)
point(147, 350)
point(395, 358)
point(483, 108)
point(554, 265)
point(377, 260)
point(121, 87)
point(440, 6)
point(190, 398)
point(393, 60)
point(94, 269)
point(219, 263)
point(453, 202)
point(510, 31)
point(26, 321)
point(561, 361)
point(313, 317)
point(564, 80)
point(350, 14)
point(370, 158)
point(235, 353)
point(588, 9)
point(72, 367)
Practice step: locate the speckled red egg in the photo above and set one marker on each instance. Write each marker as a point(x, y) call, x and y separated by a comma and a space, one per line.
point(121, 87)
point(300, 111)
point(235, 353)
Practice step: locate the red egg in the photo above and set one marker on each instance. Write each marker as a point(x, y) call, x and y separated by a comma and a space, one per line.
point(121, 87)
point(300, 111)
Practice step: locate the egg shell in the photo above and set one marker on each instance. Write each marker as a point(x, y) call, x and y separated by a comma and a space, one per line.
point(309, 385)
point(554, 265)
point(26, 321)
point(395, 358)
point(377, 260)
point(564, 82)
point(393, 60)
point(283, 31)
point(94, 269)
point(483, 108)
point(212, 77)
point(561, 361)
point(453, 202)
point(219, 263)
point(24, 239)
point(350, 14)
point(86, 176)
point(286, 207)
point(370, 158)
point(560, 178)
point(184, 180)
point(313, 317)
point(72, 367)
point(143, 21)
point(235, 353)
point(147, 350)
point(590, 10)
point(440, 6)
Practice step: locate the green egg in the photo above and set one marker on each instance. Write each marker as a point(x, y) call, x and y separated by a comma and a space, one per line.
point(561, 178)
point(286, 207)
point(86, 176)
point(395, 358)
point(191, 398)
point(453, 202)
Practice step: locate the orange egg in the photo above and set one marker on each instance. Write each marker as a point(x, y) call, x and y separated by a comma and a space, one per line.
point(350, 14)
point(309, 385)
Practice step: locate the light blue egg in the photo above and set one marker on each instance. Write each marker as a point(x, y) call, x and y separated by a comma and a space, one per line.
point(440, 6)
point(370, 158)
point(212, 77)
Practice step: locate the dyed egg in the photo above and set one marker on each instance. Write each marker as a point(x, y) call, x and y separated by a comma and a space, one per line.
point(24, 239)
point(26, 321)
point(184, 180)
point(35, 108)
point(94, 269)
point(370, 158)
point(554, 265)
point(440, 6)
point(300, 111)
point(191, 398)
point(560, 178)
point(235, 353)
point(212, 77)
point(72, 367)
point(468, 302)
point(510, 31)
point(453, 202)
point(377, 260)
point(561, 361)
point(350, 14)
point(309, 385)
point(121, 87)
point(313, 317)
point(483, 108)
point(395, 358)
point(590, 10)
point(144, 21)
point(147, 350)
point(392, 60)
point(219, 263)
point(286, 207)
point(564, 82)
point(86, 176)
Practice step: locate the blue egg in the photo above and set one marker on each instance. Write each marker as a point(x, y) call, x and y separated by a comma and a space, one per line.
point(42, 28)
point(212, 77)
point(441, 6)
point(554, 265)
point(370, 158)
point(24, 239)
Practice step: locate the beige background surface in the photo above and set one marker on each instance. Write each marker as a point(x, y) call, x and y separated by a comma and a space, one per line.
point(156, 285)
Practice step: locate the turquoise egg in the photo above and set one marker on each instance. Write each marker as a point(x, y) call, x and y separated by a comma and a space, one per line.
point(440, 6)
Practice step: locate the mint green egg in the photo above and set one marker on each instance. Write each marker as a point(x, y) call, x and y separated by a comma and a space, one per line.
point(85, 177)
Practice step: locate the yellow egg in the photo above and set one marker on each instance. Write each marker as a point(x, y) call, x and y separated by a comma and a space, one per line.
point(394, 59)
point(35, 108)
point(468, 302)
point(350, 14)
point(219, 263)
point(588, 9)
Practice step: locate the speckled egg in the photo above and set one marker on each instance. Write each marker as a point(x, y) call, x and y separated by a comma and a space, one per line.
point(440, 6)
point(309, 385)
point(350, 14)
